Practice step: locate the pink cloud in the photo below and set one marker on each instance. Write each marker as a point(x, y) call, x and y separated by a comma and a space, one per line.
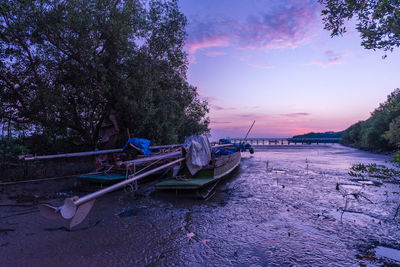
point(285, 25)
point(214, 53)
point(260, 66)
point(216, 107)
point(255, 107)
point(331, 58)
point(247, 115)
point(209, 99)
point(250, 107)
point(298, 114)
point(214, 41)
point(220, 122)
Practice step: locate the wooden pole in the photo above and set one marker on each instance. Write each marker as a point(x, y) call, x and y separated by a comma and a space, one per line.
point(135, 147)
point(249, 131)
point(130, 179)
point(89, 153)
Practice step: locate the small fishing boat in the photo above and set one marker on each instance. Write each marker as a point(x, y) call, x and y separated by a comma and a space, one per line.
point(114, 165)
point(205, 166)
point(196, 166)
point(133, 160)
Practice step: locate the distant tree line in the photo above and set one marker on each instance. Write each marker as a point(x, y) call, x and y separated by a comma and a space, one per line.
point(320, 135)
point(67, 66)
point(381, 131)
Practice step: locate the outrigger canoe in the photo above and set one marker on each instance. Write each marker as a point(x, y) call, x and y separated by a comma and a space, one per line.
point(200, 166)
point(223, 160)
point(207, 178)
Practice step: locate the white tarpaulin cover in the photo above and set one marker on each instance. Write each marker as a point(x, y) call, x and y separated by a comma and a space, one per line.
point(198, 152)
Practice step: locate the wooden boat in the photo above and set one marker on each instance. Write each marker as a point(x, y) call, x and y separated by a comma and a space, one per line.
point(115, 165)
point(115, 170)
point(203, 167)
point(205, 180)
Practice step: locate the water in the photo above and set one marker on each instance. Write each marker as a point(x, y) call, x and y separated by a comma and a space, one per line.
point(288, 214)
point(389, 253)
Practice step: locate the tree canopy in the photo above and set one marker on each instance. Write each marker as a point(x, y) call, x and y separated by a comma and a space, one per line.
point(377, 21)
point(66, 65)
point(381, 130)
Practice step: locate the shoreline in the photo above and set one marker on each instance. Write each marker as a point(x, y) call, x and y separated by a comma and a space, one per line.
point(375, 151)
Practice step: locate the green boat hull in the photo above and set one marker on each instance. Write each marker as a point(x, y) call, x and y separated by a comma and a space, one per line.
point(220, 168)
point(102, 177)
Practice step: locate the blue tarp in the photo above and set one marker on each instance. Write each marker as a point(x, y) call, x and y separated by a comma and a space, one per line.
point(141, 143)
point(223, 150)
point(243, 146)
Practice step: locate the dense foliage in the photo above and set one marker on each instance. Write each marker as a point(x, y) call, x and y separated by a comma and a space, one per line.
point(320, 135)
point(66, 65)
point(381, 130)
point(377, 21)
point(10, 149)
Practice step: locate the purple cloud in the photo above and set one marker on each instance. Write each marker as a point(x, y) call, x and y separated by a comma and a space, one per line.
point(221, 122)
point(285, 25)
point(209, 99)
point(298, 114)
point(254, 116)
point(260, 66)
point(221, 108)
point(215, 53)
point(331, 58)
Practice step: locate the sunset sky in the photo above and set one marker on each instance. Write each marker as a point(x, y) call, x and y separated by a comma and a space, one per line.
point(272, 61)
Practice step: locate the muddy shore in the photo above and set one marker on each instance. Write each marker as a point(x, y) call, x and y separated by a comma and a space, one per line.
point(283, 206)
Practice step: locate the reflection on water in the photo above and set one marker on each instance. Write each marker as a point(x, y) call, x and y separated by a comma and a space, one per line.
point(389, 253)
point(286, 212)
point(366, 182)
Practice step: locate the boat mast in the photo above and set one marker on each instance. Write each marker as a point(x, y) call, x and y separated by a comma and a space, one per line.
point(249, 131)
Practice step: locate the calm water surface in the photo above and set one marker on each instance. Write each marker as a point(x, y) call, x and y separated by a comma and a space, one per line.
point(281, 207)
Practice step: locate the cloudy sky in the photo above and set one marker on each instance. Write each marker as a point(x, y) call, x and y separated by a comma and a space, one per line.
point(272, 61)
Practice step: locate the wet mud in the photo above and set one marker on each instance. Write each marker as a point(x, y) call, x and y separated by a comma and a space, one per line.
point(282, 207)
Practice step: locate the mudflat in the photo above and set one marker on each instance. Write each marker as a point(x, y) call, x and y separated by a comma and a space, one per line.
point(282, 206)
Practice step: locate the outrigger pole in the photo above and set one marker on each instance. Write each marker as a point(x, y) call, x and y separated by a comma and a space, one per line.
point(89, 153)
point(76, 208)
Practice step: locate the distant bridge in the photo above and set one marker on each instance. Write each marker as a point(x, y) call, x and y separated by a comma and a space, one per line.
point(286, 141)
